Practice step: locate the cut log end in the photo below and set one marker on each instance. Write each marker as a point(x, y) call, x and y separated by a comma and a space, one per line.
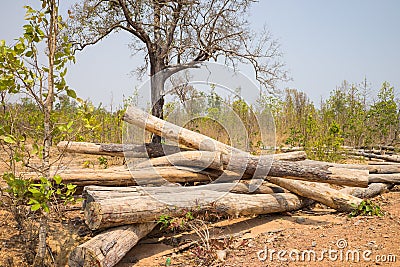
point(93, 215)
point(83, 257)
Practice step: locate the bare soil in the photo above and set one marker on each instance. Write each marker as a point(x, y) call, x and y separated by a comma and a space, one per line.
point(247, 241)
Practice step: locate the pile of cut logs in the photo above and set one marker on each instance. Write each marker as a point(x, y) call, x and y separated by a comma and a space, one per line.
point(126, 204)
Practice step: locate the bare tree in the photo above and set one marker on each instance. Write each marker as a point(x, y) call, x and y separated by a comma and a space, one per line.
point(178, 34)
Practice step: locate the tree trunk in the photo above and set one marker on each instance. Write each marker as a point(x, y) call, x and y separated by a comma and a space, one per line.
point(175, 133)
point(98, 193)
point(128, 210)
point(265, 165)
point(324, 194)
point(200, 159)
point(371, 168)
point(157, 87)
point(123, 177)
point(148, 150)
point(392, 158)
point(385, 178)
point(235, 159)
point(41, 250)
point(364, 193)
point(291, 156)
point(109, 247)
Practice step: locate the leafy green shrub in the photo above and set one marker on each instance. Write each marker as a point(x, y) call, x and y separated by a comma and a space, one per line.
point(366, 208)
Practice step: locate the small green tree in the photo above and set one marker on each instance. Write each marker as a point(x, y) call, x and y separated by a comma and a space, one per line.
point(22, 71)
point(383, 115)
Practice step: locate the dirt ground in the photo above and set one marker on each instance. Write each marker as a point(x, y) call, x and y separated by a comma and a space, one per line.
point(317, 236)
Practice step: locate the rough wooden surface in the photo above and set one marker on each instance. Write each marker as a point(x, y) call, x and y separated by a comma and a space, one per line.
point(392, 158)
point(175, 133)
point(393, 178)
point(97, 193)
point(109, 247)
point(372, 190)
point(265, 165)
point(324, 194)
point(291, 156)
point(128, 210)
point(200, 159)
point(383, 169)
point(148, 150)
point(120, 176)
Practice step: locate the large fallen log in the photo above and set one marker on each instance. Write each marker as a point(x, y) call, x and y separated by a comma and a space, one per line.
point(260, 167)
point(128, 210)
point(200, 159)
point(175, 133)
point(98, 193)
point(324, 194)
point(264, 165)
point(291, 156)
point(392, 158)
point(123, 177)
point(385, 178)
point(148, 150)
point(242, 162)
point(373, 190)
point(109, 247)
point(383, 168)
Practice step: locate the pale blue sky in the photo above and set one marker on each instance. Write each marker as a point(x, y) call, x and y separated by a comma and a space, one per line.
point(324, 43)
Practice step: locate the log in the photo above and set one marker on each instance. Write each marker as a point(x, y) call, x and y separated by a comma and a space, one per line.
point(148, 150)
point(236, 159)
point(392, 158)
point(200, 159)
point(371, 168)
point(291, 156)
point(373, 190)
point(109, 247)
point(129, 210)
point(260, 167)
point(385, 178)
point(175, 133)
point(264, 165)
point(324, 194)
point(123, 177)
point(98, 193)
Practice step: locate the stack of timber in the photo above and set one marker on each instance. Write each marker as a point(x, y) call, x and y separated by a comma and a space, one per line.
point(201, 173)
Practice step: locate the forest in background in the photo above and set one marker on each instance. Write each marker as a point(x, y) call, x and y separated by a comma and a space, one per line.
point(351, 116)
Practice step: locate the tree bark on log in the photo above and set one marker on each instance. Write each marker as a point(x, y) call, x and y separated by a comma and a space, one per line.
point(383, 169)
point(98, 193)
point(128, 210)
point(385, 178)
point(199, 159)
point(291, 156)
point(265, 165)
point(392, 158)
point(175, 133)
point(324, 194)
point(109, 247)
point(148, 150)
point(236, 159)
point(124, 177)
point(373, 190)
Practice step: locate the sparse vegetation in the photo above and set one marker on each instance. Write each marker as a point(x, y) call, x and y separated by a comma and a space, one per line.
point(366, 208)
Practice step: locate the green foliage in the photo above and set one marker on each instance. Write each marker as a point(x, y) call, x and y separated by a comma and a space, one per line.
point(366, 208)
point(175, 223)
point(38, 195)
point(383, 113)
point(103, 162)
